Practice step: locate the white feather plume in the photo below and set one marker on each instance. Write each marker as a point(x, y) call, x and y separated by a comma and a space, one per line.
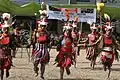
point(6, 15)
point(106, 16)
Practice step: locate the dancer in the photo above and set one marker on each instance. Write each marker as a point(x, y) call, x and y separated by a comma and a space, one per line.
point(41, 54)
point(5, 46)
point(66, 55)
point(93, 50)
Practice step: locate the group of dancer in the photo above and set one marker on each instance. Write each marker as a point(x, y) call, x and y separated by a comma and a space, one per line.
point(101, 43)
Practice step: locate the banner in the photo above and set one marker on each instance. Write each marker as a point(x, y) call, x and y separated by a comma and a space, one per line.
point(69, 13)
point(56, 15)
point(84, 14)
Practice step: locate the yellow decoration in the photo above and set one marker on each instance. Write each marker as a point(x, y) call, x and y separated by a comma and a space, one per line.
point(101, 4)
point(98, 8)
point(97, 4)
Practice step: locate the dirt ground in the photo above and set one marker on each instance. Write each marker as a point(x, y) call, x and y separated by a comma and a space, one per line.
point(23, 69)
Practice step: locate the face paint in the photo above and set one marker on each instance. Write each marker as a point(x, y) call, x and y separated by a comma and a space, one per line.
point(93, 30)
point(108, 31)
point(42, 26)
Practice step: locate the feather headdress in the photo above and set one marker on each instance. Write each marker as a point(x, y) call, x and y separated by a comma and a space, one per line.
point(108, 22)
point(107, 17)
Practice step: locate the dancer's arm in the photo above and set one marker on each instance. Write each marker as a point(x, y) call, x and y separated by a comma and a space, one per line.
point(95, 43)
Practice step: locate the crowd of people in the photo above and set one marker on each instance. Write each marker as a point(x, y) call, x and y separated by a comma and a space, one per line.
point(101, 43)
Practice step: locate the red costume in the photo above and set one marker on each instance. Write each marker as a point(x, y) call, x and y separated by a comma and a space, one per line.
point(107, 54)
point(40, 51)
point(92, 37)
point(66, 54)
point(5, 52)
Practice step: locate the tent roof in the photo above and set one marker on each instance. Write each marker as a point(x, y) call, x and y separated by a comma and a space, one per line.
point(33, 7)
point(6, 6)
point(26, 10)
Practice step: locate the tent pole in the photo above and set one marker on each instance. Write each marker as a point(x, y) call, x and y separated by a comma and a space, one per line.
point(69, 2)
